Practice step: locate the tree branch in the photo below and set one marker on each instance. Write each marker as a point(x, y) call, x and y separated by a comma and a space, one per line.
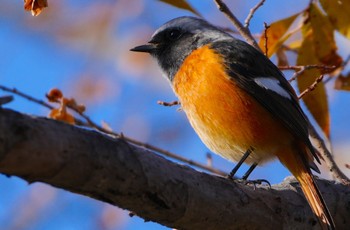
point(111, 170)
point(245, 32)
point(252, 12)
point(91, 124)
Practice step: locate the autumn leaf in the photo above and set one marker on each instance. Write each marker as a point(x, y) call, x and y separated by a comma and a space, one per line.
point(316, 100)
point(35, 6)
point(54, 95)
point(276, 34)
point(338, 15)
point(342, 83)
point(323, 37)
point(182, 4)
point(295, 45)
point(61, 113)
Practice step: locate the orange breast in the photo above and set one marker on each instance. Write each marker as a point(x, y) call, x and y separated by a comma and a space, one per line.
point(226, 118)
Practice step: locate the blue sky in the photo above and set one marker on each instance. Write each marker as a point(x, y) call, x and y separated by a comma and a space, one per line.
point(59, 49)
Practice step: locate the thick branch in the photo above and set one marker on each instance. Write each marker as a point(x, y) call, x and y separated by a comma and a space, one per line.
point(114, 171)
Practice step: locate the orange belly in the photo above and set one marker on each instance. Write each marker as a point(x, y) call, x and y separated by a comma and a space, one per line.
point(226, 118)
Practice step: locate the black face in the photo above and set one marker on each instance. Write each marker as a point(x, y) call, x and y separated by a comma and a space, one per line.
point(176, 39)
point(173, 45)
point(170, 47)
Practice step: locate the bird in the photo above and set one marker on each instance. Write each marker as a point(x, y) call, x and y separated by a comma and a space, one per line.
point(238, 101)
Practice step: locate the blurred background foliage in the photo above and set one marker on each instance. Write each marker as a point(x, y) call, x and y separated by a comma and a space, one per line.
point(82, 48)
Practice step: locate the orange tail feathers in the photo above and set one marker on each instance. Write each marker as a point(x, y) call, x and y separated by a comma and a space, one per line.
point(299, 167)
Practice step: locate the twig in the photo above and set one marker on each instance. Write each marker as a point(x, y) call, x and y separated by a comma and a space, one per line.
point(311, 87)
point(302, 68)
point(40, 102)
point(321, 147)
point(266, 37)
point(168, 103)
point(148, 146)
point(299, 67)
point(91, 123)
point(241, 29)
point(251, 13)
point(26, 96)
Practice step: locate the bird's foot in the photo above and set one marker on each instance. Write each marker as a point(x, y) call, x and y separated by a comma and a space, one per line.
point(254, 182)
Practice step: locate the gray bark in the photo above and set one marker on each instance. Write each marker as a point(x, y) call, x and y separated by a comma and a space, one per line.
point(111, 170)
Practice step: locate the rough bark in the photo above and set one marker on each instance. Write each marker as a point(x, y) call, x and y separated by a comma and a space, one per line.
point(108, 169)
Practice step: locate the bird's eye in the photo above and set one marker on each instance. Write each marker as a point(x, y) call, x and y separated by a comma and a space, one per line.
point(174, 34)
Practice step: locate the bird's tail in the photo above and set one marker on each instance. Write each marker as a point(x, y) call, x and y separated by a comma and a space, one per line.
point(299, 167)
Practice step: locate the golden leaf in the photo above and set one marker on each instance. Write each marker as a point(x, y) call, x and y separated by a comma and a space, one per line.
point(338, 14)
point(35, 6)
point(295, 45)
point(275, 34)
point(182, 4)
point(323, 37)
point(316, 100)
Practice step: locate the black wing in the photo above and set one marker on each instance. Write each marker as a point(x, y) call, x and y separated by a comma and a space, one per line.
point(246, 65)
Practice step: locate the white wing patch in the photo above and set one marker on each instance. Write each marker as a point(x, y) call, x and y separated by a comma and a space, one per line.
point(273, 85)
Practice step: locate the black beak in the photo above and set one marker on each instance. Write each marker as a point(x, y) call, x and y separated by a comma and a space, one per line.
point(144, 48)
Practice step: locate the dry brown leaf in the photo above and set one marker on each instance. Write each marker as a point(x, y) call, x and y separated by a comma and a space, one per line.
point(275, 34)
point(316, 100)
point(342, 83)
point(54, 95)
point(61, 114)
point(182, 4)
point(71, 103)
point(35, 6)
point(338, 13)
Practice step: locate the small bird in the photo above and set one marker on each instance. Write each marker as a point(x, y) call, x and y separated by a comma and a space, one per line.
point(237, 101)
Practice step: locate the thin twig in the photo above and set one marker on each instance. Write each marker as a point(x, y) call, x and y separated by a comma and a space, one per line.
point(302, 68)
point(327, 156)
point(90, 123)
point(316, 66)
point(311, 87)
point(241, 29)
point(40, 102)
point(168, 103)
point(26, 96)
point(321, 146)
point(266, 39)
point(297, 74)
point(252, 12)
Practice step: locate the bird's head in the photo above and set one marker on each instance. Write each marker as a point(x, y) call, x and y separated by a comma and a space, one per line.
point(176, 39)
